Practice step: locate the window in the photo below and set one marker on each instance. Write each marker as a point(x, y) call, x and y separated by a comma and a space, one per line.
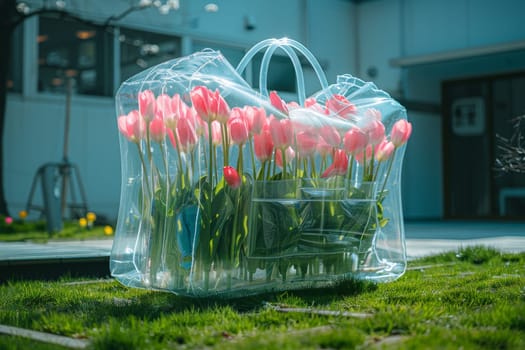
point(14, 73)
point(69, 49)
point(140, 50)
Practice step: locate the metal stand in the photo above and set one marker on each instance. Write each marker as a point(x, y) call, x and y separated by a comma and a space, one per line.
point(56, 179)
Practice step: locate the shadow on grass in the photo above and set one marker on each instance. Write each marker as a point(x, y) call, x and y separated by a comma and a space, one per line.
point(309, 296)
point(151, 305)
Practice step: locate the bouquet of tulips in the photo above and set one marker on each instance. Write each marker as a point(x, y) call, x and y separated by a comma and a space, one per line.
point(232, 191)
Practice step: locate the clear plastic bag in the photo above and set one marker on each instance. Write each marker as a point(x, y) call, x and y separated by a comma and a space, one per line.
point(229, 191)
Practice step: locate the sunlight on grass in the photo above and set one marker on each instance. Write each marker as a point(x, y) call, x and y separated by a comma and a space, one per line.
point(474, 299)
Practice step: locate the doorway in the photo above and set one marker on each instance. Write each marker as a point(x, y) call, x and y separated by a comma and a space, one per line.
point(475, 111)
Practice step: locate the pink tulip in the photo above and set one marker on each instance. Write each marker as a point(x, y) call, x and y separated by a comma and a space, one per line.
point(339, 165)
point(164, 105)
point(132, 126)
point(323, 148)
point(282, 132)
point(384, 150)
point(292, 105)
point(278, 103)
point(220, 108)
point(216, 133)
point(306, 143)
point(312, 103)
point(157, 129)
point(339, 105)
point(373, 113)
point(238, 126)
point(256, 118)
point(8, 220)
point(330, 135)
point(289, 153)
point(376, 131)
point(263, 144)
point(400, 132)
point(231, 176)
point(186, 133)
point(200, 99)
point(209, 105)
point(147, 105)
point(360, 157)
point(355, 141)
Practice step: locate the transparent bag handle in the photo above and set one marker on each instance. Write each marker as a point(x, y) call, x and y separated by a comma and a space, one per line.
point(289, 46)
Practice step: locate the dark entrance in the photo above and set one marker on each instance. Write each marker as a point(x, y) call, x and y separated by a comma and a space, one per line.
point(474, 112)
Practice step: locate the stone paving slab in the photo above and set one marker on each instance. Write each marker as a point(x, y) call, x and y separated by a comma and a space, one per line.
point(422, 238)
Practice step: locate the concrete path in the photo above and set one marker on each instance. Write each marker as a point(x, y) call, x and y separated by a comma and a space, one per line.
point(422, 238)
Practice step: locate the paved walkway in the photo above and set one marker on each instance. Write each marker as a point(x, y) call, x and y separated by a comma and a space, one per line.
point(422, 238)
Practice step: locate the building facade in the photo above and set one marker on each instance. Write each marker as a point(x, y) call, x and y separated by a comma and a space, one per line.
point(405, 46)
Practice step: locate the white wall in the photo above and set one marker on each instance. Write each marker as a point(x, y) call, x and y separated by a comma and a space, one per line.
point(35, 121)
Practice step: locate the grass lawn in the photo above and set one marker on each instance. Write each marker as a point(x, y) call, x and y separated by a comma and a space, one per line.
point(474, 299)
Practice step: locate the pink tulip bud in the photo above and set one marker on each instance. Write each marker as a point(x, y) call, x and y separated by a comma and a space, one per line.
point(256, 118)
point(339, 166)
point(400, 132)
point(201, 97)
point(210, 105)
point(282, 132)
point(157, 129)
point(324, 148)
point(263, 144)
point(186, 133)
point(376, 131)
point(216, 133)
point(339, 105)
point(132, 126)
point(360, 156)
point(355, 141)
point(231, 176)
point(220, 108)
point(278, 103)
point(384, 150)
point(373, 113)
point(289, 153)
point(306, 143)
point(330, 135)
point(238, 126)
point(147, 105)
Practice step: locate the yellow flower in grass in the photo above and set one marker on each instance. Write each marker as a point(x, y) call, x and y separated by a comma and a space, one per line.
point(91, 217)
point(22, 214)
point(108, 230)
point(82, 222)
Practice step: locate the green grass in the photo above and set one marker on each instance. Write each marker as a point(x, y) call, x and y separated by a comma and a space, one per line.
point(36, 231)
point(474, 299)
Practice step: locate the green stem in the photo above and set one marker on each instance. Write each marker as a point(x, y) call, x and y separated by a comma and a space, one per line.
point(312, 166)
point(144, 167)
point(252, 154)
point(225, 144)
point(210, 164)
point(387, 174)
point(350, 168)
point(283, 156)
point(274, 163)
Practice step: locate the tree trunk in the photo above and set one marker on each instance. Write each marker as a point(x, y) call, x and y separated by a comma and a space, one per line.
point(8, 15)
